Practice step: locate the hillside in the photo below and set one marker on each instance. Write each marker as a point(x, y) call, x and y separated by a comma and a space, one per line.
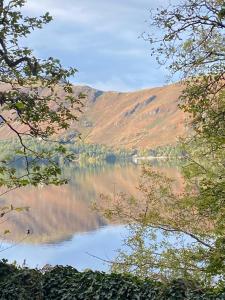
point(141, 119)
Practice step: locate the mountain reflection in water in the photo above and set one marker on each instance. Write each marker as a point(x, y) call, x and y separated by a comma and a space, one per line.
point(61, 217)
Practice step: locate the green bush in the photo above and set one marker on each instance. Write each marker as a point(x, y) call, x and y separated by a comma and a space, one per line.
point(61, 283)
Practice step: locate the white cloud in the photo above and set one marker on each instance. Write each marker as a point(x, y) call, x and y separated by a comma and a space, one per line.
point(81, 24)
point(99, 37)
point(113, 84)
point(99, 15)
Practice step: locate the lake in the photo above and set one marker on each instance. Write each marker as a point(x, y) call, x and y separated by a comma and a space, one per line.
point(63, 227)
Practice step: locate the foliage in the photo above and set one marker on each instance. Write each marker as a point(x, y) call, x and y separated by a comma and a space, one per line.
point(193, 42)
point(189, 37)
point(167, 238)
point(69, 150)
point(67, 283)
point(167, 151)
point(83, 153)
point(183, 235)
point(36, 99)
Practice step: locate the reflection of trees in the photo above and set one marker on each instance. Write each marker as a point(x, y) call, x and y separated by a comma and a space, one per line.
point(56, 213)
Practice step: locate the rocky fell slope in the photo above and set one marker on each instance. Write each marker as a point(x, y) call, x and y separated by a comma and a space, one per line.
point(141, 119)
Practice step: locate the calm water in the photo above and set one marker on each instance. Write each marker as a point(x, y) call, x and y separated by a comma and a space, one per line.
point(64, 228)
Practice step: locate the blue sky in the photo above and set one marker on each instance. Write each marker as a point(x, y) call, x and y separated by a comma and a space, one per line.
point(101, 39)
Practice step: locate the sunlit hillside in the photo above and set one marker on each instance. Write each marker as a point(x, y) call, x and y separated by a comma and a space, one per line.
point(141, 119)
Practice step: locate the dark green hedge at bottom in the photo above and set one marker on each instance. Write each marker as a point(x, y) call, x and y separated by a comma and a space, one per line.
point(61, 283)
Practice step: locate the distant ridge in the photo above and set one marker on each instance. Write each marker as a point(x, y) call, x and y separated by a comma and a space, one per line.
point(142, 119)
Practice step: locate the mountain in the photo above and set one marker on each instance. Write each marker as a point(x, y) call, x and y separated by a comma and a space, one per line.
point(141, 119)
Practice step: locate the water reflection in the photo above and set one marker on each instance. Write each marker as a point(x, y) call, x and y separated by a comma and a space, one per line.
point(58, 214)
point(78, 252)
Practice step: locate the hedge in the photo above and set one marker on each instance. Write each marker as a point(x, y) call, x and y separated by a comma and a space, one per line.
point(61, 283)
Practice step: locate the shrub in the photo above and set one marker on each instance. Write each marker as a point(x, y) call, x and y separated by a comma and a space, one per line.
point(62, 283)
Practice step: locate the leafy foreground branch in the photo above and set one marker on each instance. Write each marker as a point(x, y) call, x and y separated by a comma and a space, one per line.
point(184, 235)
point(37, 100)
point(67, 283)
point(168, 237)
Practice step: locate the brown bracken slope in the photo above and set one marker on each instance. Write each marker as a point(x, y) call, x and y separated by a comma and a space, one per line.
point(141, 119)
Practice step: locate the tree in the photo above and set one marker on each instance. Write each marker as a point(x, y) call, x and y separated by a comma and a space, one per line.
point(193, 42)
point(37, 102)
point(167, 238)
point(192, 45)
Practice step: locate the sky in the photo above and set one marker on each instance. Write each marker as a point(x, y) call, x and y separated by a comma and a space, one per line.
point(100, 38)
